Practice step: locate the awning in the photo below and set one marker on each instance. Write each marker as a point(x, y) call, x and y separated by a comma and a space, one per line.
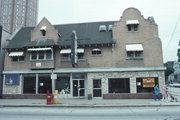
point(67, 51)
point(134, 47)
point(39, 49)
point(43, 28)
point(130, 22)
point(96, 49)
point(19, 53)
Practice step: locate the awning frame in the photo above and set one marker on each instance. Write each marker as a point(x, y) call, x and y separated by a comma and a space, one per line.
point(132, 22)
point(16, 53)
point(39, 49)
point(134, 47)
point(68, 51)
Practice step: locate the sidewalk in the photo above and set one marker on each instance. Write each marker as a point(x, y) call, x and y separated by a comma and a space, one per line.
point(86, 103)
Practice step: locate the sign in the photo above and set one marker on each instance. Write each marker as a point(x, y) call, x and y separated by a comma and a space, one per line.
point(53, 76)
point(74, 48)
point(148, 82)
point(12, 79)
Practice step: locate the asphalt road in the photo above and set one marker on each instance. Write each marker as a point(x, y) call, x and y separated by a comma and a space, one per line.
point(121, 113)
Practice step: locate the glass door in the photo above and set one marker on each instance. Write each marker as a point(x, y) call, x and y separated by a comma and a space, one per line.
point(78, 88)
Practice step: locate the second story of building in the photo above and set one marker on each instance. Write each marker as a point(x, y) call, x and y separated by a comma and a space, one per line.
point(130, 42)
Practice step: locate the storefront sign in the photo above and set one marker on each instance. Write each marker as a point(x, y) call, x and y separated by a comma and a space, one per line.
point(12, 79)
point(148, 82)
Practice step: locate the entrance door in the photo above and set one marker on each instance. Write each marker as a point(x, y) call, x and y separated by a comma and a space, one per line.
point(78, 88)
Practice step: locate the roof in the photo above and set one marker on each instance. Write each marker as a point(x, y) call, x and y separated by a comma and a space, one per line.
point(87, 34)
point(42, 42)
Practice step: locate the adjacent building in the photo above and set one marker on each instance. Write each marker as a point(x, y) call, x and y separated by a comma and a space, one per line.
point(115, 59)
point(4, 36)
point(17, 13)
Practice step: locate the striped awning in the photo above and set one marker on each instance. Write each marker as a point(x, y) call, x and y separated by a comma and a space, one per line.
point(39, 49)
point(67, 51)
point(130, 22)
point(134, 47)
point(18, 53)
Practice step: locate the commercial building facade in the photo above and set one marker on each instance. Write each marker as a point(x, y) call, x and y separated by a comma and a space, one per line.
point(18, 13)
point(115, 59)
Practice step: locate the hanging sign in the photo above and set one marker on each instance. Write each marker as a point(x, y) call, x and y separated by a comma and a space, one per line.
point(148, 82)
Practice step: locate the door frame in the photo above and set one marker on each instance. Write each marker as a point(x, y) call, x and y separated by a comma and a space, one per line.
point(78, 88)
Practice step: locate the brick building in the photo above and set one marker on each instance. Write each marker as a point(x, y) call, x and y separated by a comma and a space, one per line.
point(115, 59)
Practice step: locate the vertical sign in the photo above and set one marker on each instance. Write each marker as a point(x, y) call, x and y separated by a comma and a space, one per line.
point(74, 48)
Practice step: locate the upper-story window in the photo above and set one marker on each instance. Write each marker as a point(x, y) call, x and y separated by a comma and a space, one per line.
point(134, 51)
point(17, 56)
point(132, 25)
point(96, 51)
point(41, 53)
point(66, 54)
point(43, 30)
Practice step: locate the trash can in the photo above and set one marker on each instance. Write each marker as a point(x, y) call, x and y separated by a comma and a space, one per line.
point(56, 97)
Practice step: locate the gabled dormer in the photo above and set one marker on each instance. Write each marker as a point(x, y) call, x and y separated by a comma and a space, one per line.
point(44, 30)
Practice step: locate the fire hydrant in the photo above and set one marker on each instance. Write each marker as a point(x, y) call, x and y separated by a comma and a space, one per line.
point(56, 97)
point(48, 98)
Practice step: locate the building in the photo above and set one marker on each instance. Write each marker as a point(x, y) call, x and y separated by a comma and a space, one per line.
point(17, 13)
point(4, 36)
point(115, 59)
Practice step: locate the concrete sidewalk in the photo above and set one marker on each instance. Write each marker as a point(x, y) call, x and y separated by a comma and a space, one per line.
point(86, 103)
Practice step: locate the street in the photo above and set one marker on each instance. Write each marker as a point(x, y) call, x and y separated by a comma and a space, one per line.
point(104, 113)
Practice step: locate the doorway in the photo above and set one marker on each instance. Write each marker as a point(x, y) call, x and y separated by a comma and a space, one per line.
point(78, 88)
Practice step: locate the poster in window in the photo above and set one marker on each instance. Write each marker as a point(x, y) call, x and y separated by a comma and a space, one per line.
point(12, 79)
point(148, 82)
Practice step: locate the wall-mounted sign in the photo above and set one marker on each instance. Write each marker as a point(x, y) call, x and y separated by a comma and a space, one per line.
point(12, 79)
point(148, 82)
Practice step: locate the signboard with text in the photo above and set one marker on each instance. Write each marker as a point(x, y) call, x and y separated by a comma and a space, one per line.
point(148, 82)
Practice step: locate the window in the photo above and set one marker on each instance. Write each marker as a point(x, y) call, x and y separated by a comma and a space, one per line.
point(135, 54)
point(80, 56)
point(96, 51)
point(63, 83)
point(66, 54)
point(66, 57)
point(145, 85)
point(97, 88)
point(29, 84)
point(33, 55)
point(44, 83)
point(132, 27)
point(102, 28)
point(134, 51)
point(17, 58)
point(41, 55)
point(119, 85)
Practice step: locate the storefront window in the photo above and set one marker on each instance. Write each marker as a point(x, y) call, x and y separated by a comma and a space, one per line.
point(119, 85)
point(146, 85)
point(29, 84)
point(44, 83)
point(63, 83)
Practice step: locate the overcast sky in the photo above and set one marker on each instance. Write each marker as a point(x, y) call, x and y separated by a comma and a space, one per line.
point(165, 12)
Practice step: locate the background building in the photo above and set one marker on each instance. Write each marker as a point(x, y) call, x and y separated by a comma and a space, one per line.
point(17, 13)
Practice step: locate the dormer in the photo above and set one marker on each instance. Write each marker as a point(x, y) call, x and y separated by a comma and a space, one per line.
point(44, 30)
